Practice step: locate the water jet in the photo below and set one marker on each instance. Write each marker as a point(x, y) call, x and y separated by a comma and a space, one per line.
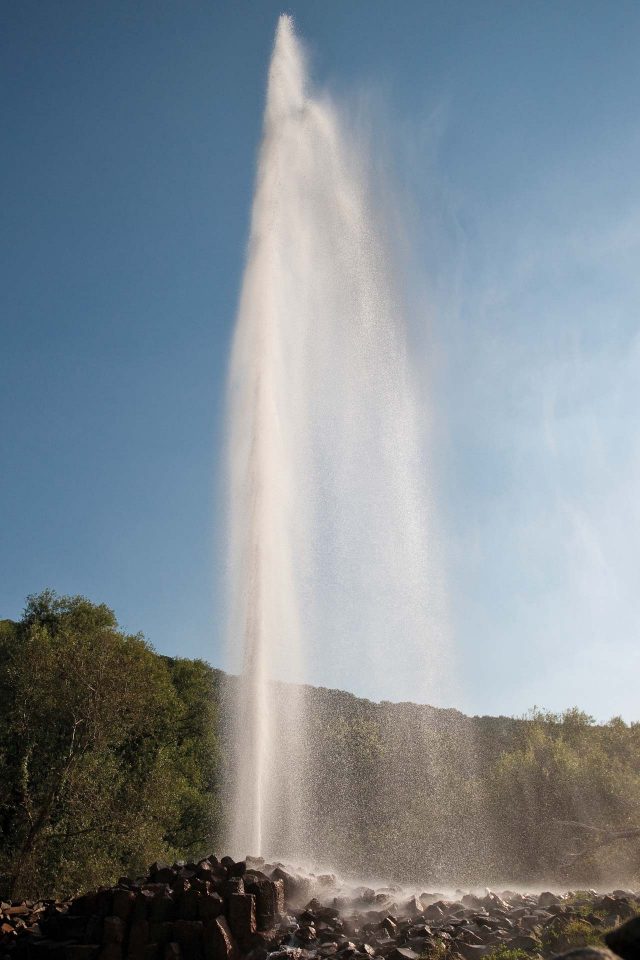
point(330, 557)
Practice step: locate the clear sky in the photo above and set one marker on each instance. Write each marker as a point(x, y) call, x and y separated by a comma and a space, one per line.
point(129, 144)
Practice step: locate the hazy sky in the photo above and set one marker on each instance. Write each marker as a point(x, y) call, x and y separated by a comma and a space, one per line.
point(511, 129)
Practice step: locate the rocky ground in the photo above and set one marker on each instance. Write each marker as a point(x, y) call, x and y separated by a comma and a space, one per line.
point(224, 910)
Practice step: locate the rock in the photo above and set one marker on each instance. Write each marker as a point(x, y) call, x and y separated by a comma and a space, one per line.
point(493, 902)
point(435, 911)
point(402, 953)
point(529, 944)
point(471, 950)
point(123, 901)
point(413, 907)
point(81, 951)
point(328, 949)
point(297, 890)
point(230, 910)
point(210, 907)
point(586, 953)
point(258, 953)
point(189, 934)
point(163, 907)
point(306, 933)
point(468, 936)
point(616, 907)
point(160, 933)
point(179, 886)
point(189, 904)
point(269, 897)
point(625, 940)
point(218, 941)
point(546, 899)
point(142, 905)
point(20, 910)
point(242, 916)
point(138, 938)
point(231, 886)
point(389, 926)
point(110, 951)
point(469, 900)
point(113, 930)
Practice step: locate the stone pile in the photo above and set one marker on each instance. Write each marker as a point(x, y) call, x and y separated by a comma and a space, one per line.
point(211, 910)
point(249, 910)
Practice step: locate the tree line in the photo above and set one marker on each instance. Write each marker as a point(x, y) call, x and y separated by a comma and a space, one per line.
point(112, 756)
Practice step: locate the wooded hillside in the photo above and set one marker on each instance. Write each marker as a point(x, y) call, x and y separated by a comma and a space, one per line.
point(112, 756)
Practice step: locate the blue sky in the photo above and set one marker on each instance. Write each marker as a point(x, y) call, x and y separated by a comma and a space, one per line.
point(512, 134)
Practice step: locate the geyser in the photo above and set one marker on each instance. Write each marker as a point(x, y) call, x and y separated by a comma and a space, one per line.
point(331, 570)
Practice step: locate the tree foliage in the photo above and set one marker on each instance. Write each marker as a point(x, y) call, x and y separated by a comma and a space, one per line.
point(96, 750)
point(110, 757)
point(411, 792)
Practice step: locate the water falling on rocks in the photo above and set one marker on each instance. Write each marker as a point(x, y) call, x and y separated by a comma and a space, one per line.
point(218, 909)
point(331, 564)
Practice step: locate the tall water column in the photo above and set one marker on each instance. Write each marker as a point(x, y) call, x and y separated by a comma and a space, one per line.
point(329, 559)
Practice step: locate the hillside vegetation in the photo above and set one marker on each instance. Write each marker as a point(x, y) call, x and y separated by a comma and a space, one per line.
point(111, 756)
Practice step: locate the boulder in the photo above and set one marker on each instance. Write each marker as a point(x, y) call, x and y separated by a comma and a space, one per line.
point(163, 907)
point(435, 911)
point(218, 941)
point(189, 904)
point(160, 933)
point(113, 930)
point(142, 905)
point(297, 890)
point(123, 901)
point(110, 951)
point(625, 940)
point(81, 951)
point(210, 907)
point(269, 897)
point(190, 935)
point(403, 953)
point(546, 899)
point(138, 938)
point(586, 953)
point(413, 907)
point(242, 917)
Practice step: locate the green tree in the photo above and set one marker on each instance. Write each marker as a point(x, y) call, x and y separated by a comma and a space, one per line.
point(195, 758)
point(87, 747)
point(567, 795)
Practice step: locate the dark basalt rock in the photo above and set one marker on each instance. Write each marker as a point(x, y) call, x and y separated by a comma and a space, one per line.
point(587, 953)
point(223, 910)
point(625, 940)
point(242, 917)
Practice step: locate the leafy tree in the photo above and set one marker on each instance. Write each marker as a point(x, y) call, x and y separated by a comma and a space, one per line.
point(196, 758)
point(568, 795)
point(86, 748)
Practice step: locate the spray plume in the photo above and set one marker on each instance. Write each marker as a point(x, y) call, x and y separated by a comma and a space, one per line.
point(328, 506)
